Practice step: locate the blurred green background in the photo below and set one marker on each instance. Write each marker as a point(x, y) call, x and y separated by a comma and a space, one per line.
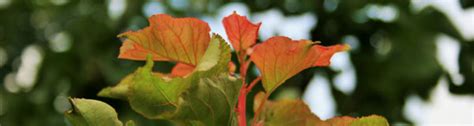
point(412, 60)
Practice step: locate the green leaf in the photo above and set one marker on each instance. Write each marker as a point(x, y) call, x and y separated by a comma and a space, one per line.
point(88, 112)
point(213, 95)
point(211, 100)
point(207, 96)
point(153, 96)
point(372, 120)
point(287, 112)
point(119, 91)
point(216, 58)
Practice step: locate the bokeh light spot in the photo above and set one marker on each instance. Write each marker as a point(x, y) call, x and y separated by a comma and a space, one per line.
point(59, 2)
point(345, 81)
point(352, 40)
point(116, 8)
point(10, 84)
point(4, 3)
point(319, 98)
point(330, 5)
point(448, 50)
point(60, 42)
point(61, 104)
point(153, 7)
point(31, 59)
point(179, 4)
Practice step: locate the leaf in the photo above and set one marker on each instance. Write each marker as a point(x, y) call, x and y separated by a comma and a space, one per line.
point(372, 120)
point(181, 69)
point(211, 100)
point(284, 113)
point(296, 113)
point(232, 67)
point(207, 96)
point(240, 31)
point(168, 39)
point(88, 112)
point(213, 93)
point(280, 58)
point(212, 57)
point(152, 96)
point(120, 91)
point(217, 56)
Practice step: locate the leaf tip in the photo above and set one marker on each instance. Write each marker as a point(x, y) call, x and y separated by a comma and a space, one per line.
point(149, 62)
point(345, 47)
point(104, 92)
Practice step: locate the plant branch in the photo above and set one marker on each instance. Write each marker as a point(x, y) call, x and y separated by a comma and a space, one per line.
point(241, 106)
point(253, 83)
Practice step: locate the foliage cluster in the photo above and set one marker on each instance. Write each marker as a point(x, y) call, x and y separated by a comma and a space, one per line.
point(203, 88)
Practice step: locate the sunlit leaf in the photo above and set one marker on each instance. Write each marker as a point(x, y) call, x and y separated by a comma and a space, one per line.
point(284, 113)
point(207, 96)
point(372, 120)
point(280, 58)
point(168, 39)
point(241, 32)
point(288, 112)
point(120, 90)
point(181, 69)
point(86, 112)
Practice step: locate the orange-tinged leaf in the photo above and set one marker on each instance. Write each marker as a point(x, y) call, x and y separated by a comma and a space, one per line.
point(283, 112)
point(292, 112)
point(327, 53)
point(280, 58)
point(241, 32)
point(181, 69)
point(168, 39)
point(231, 67)
point(340, 121)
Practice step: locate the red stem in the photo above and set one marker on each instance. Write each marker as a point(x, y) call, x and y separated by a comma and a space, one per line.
point(253, 83)
point(241, 106)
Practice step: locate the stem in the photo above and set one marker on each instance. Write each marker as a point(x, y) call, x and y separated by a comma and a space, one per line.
point(253, 83)
point(241, 106)
point(259, 109)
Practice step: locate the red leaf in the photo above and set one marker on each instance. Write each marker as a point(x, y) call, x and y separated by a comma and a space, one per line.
point(181, 69)
point(231, 67)
point(280, 58)
point(327, 53)
point(240, 31)
point(168, 39)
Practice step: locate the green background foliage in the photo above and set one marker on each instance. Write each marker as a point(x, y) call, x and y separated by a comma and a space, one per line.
point(384, 80)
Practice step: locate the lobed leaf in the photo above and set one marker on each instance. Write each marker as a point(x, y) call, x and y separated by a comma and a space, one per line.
point(280, 58)
point(206, 96)
point(241, 32)
point(181, 69)
point(181, 40)
point(297, 113)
